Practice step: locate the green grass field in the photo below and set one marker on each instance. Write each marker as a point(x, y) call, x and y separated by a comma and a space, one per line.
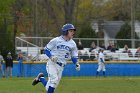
point(74, 85)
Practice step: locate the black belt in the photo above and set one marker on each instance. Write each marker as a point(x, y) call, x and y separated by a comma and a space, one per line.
point(60, 64)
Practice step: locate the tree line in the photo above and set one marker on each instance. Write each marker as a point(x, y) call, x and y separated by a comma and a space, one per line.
point(46, 17)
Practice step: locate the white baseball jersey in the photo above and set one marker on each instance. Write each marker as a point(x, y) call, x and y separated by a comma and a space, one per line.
point(101, 65)
point(63, 49)
point(101, 56)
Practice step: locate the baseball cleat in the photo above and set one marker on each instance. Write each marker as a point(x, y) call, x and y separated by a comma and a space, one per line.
point(36, 80)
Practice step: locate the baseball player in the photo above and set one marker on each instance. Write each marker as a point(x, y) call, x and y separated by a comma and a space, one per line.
point(101, 63)
point(59, 50)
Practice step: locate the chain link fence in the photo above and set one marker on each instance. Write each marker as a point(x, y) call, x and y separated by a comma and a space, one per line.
point(33, 47)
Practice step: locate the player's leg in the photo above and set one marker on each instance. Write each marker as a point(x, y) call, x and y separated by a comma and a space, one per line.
point(43, 80)
point(7, 71)
point(52, 77)
point(97, 73)
point(10, 68)
point(51, 89)
point(19, 68)
point(39, 78)
point(104, 70)
point(2, 71)
point(60, 70)
point(98, 70)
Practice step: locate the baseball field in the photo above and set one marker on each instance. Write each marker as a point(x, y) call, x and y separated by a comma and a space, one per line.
point(74, 85)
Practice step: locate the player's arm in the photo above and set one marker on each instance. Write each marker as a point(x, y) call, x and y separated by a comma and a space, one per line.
point(75, 61)
point(48, 48)
point(102, 59)
point(47, 51)
point(74, 58)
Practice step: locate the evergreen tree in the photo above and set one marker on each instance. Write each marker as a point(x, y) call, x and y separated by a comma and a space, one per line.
point(125, 33)
point(6, 41)
point(86, 31)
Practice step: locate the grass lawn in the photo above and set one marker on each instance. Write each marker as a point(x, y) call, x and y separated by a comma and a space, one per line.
point(74, 85)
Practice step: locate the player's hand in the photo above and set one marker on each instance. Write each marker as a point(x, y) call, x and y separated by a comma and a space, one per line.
point(54, 58)
point(77, 66)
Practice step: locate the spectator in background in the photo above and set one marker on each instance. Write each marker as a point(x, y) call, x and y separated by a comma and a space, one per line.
point(20, 64)
point(1, 65)
point(80, 55)
point(30, 57)
point(109, 46)
point(137, 54)
point(92, 55)
point(9, 64)
point(130, 53)
point(103, 46)
point(85, 56)
point(79, 45)
point(125, 50)
point(113, 49)
point(92, 47)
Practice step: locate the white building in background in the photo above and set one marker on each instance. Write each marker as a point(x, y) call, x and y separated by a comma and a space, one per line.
point(111, 28)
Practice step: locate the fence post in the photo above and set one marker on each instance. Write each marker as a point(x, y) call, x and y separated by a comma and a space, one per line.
point(97, 42)
point(27, 52)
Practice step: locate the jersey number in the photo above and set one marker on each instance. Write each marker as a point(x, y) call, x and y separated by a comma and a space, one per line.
point(67, 55)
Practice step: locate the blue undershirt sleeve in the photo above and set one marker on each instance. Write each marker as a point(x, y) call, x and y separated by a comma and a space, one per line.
point(101, 60)
point(47, 52)
point(74, 60)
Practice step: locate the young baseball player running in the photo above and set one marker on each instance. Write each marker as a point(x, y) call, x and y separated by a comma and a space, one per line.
point(59, 50)
point(101, 63)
